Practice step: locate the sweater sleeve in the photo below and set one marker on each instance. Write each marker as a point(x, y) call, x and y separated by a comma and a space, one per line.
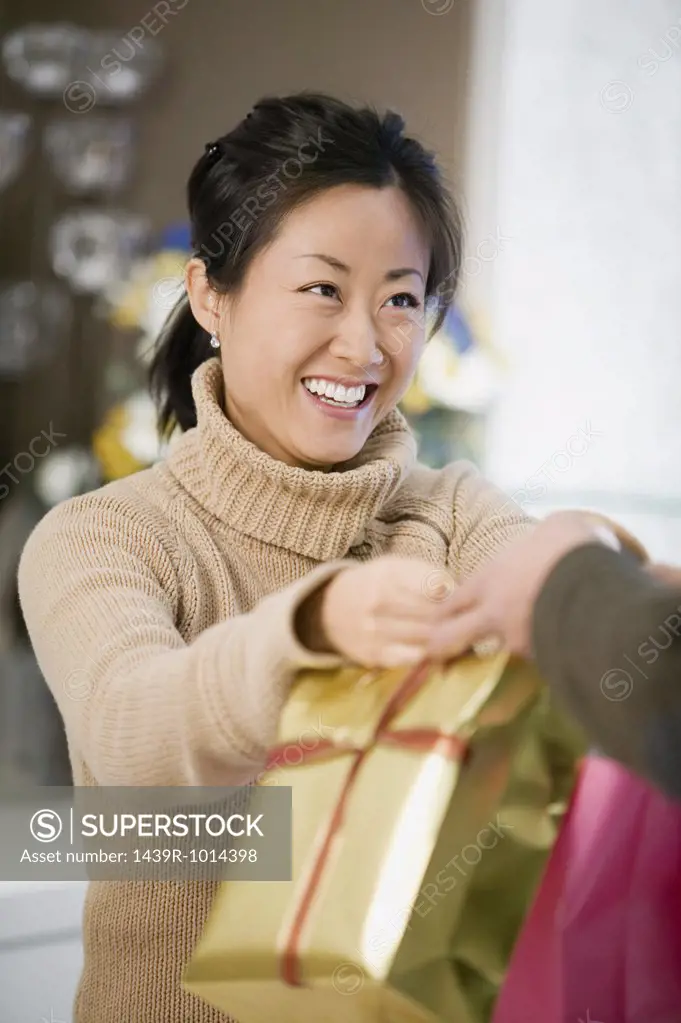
point(485, 520)
point(607, 637)
point(99, 596)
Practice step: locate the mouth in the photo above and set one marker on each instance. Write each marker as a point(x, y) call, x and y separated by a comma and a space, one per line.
point(337, 395)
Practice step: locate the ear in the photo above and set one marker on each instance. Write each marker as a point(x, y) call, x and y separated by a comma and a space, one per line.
point(202, 298)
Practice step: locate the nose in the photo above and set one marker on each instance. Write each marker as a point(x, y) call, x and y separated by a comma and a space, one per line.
point(356, 341)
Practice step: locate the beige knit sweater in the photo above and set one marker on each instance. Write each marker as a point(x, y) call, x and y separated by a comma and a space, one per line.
point(160, 610)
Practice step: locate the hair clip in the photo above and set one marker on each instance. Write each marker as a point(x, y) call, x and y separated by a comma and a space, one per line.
point(213, 150)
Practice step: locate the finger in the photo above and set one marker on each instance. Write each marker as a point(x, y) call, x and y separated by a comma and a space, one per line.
point(412, 597)
point(415, 611)
point(411, 631)
point(429, 599)
point(464, 598)
point(665, 574)
point(414, 606)
point(459, 634)
point(395, 654)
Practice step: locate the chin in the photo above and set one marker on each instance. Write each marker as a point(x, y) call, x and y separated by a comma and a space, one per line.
point(324, 454)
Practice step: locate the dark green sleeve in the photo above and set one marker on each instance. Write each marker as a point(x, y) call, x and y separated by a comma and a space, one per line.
point(607, 637)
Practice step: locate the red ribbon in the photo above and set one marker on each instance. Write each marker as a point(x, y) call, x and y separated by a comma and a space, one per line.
point(421, 740)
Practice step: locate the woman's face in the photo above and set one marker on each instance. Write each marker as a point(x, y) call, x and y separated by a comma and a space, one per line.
point(336, 301)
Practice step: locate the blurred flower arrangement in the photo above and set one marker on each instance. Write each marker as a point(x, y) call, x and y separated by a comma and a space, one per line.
point(457, 378)
point(142, 300)
point(128, 439)
point(458, 369)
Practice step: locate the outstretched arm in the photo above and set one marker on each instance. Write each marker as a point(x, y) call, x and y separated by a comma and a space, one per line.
point(141, 705)
point(485, 521)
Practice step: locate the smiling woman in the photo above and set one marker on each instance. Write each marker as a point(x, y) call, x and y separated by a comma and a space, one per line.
point(285, 281)
point(317, 304)
point(291, 525)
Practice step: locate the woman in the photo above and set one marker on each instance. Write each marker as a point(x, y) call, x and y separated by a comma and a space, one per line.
point(179, 603)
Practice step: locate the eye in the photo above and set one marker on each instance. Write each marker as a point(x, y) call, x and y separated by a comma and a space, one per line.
point(327, 290)
point(405, 300)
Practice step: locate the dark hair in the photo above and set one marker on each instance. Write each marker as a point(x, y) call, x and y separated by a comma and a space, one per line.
point(310, 142)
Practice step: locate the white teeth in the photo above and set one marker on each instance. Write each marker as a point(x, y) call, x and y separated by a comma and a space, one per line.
point(335, 392)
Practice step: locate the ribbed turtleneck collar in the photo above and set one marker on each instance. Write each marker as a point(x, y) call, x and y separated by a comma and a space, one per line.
point(313, 513)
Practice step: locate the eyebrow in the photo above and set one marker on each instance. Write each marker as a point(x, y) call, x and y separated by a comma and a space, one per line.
point(391, 275)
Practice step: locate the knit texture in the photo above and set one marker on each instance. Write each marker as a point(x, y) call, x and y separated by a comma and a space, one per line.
point(160, 608)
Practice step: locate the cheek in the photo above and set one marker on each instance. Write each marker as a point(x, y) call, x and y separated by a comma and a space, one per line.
point(406, 347)
point(259, 343)
point(269, 362)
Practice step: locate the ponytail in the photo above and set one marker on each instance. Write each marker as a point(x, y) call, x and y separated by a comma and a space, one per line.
point(182, 346)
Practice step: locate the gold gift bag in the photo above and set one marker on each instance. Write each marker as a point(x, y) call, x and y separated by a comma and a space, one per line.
point(423, 814)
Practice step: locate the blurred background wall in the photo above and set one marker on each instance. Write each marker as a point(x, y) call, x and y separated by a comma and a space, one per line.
point(586, 302)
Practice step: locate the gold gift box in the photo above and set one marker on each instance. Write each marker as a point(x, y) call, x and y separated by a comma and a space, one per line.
point(425, 802)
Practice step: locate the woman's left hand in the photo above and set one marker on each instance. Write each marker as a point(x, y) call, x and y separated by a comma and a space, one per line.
point(498, 600)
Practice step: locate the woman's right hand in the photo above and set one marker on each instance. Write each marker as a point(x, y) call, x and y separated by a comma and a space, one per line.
point(379, 613)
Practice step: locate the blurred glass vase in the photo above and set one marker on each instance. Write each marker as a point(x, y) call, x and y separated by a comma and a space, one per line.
point(92, 248)
point(90, 154)
point(45, 59)
point(119, 69)
point(34, 321)
point(14, 129)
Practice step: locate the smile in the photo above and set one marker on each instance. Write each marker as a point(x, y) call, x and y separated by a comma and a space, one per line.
point(336, 394)
point(341, 401)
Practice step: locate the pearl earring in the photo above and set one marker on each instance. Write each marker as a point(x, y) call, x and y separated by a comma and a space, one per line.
point(214, 339)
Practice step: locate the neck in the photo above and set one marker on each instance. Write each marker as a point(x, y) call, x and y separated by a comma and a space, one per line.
point(316, 512)
point(267, 443)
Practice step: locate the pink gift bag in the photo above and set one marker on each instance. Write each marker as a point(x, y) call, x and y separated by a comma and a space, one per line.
point(602, 942)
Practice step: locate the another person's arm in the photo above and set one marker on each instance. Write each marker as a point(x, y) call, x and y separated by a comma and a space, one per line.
point(590, 616)
point(607, 635)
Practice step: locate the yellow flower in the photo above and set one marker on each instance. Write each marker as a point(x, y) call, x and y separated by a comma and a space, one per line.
point(114, 458)
point(415, 402)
